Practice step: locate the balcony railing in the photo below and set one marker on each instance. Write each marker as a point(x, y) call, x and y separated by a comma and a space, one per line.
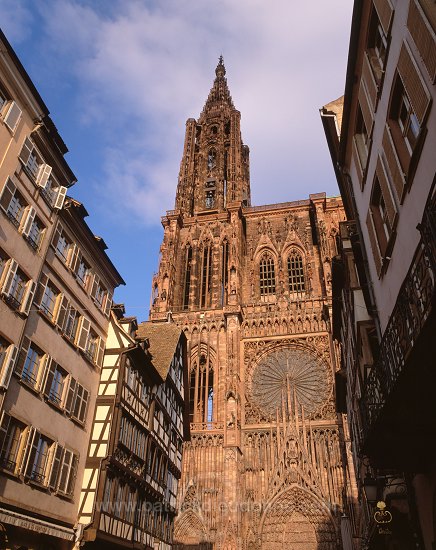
point(415, 303)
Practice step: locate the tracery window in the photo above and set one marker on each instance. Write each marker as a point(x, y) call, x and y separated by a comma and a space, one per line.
point(225, 274)
point(187, 280)
point(267, 275)
point(296, 272)
point(206, 276)
point(201, 392)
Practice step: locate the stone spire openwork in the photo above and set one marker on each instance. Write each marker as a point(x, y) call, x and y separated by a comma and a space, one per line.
point(219, 93)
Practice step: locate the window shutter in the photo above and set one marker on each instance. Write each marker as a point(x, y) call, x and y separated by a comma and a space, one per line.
point(413, 84)
point(71, 395)
point(55, 466)
point(59, 202)
point(368, 78)
point(13, 116)
point(374, 243)
point(28, 297)
point(73, 474)
point(44, 173)
point(384, 11)
point(65, 471)
point(366, 108)
point(100, 352)
point(9, 279)
point(83, 332)
point(25, 344)
point(393, 162)
point(95, 285)
point(26, 224)
point(75, 258)
point(4, 426)
point(387, 194)
point(423, 34)
point(8, 365)
point(57, 235)
point(62, 312)
point(43, 280)
point(29, 452)
point(7, 194)
point(47, 378)
point(108, 304)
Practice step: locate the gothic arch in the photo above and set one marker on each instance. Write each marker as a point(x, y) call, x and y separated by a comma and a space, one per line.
point(189, 528)
point(295, 262)
point(305, 522)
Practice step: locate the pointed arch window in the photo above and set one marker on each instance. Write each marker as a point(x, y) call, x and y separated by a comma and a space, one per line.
point(206, 276)
point(201, 390)
point(187, 278)
point(267, 275)
point(296, 272)
point(225, 272)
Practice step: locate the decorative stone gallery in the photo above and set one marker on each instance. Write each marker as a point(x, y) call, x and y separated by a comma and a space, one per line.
point(251, 288)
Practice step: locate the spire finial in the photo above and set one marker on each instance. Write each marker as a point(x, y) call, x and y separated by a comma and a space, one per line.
point(220, 69)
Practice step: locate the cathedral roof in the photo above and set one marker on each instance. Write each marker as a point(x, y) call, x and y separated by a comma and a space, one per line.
point(163, 339)
point(219, 93)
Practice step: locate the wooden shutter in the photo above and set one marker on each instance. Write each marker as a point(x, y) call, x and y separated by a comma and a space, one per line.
point(108, 304)
point(423, 34)
point(65, 471)
point(28, 297)
point(75, 258)
point(25, 344)
point(413, 84)
point(4, 426)
point(366, 108)
point(95, 285)
point(30, 451)
point(71, 395)
point(83, 332)
point(369, 80)
point(62, 312)
point(43, 280)
point(385, 186)
point(9, 279)
point(55, 466)
point(26, 151)
point(73, 474)
point(7, 194)
point(44, 173)
point(394, 165)
point(59, 202)
point(8, 366)
point(49, 372)
point(100, 352)
point(26, 224)
point(376, 254)
point(13, 116)
point(384, 10)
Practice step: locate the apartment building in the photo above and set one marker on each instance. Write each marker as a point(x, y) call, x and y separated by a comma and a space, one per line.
point(134, 458)
point(56, 286)
point(383, 145)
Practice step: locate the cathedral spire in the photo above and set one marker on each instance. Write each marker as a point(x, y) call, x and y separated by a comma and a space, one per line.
point(219, 93)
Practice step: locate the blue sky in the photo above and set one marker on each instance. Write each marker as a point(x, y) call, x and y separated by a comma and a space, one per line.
point(120, 78)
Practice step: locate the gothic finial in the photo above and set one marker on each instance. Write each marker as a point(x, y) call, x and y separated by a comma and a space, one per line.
point(220, 69)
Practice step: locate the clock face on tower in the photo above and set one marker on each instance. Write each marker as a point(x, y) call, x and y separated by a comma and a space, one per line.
point(287, 376)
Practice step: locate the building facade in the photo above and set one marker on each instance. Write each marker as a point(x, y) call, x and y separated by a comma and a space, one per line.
point(56, 284)
point(384, 277)
point(251, 288)
point(134, 459)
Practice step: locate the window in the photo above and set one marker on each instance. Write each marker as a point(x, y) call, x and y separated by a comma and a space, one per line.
point(361, 139)
point(33, 230)
point(380, 217)
point(267, 275)
point(17, 288)
point(82, 271)
point(407, 121)
point(296, 272)
point(37, 457)
point(34, 164)
point(67, 472)
point(187, 279)
point(76, 400)
point(225, 272)
point(206, 277)
point(53, 193)
point(11, 440)
point(55, 384)
point(71, 323)
point(101, 296)
point(13, 203)
point(2, 100)
point(50, 297)
point(377, 45)
point(31, 363)
point(210, 198)
point(62, 244)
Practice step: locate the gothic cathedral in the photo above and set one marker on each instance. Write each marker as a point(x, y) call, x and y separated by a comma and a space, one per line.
point(251, 288)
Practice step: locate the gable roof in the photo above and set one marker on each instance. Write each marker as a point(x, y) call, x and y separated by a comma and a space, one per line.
point(163, 339)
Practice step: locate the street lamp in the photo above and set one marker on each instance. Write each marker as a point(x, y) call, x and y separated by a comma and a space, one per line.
point(370, 487)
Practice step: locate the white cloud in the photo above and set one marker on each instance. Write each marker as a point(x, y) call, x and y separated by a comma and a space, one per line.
point(144, 67)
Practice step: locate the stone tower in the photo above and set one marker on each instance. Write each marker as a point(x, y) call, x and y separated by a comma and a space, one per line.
point(251, 288)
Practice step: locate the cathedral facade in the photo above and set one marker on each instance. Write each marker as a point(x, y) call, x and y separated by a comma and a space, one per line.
point(265, 467)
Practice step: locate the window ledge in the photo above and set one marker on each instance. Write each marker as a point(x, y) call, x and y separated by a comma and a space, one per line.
point(46, 317)
point(78, 422)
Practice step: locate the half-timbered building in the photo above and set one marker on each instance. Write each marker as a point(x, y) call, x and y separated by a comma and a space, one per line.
point(134, 459)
